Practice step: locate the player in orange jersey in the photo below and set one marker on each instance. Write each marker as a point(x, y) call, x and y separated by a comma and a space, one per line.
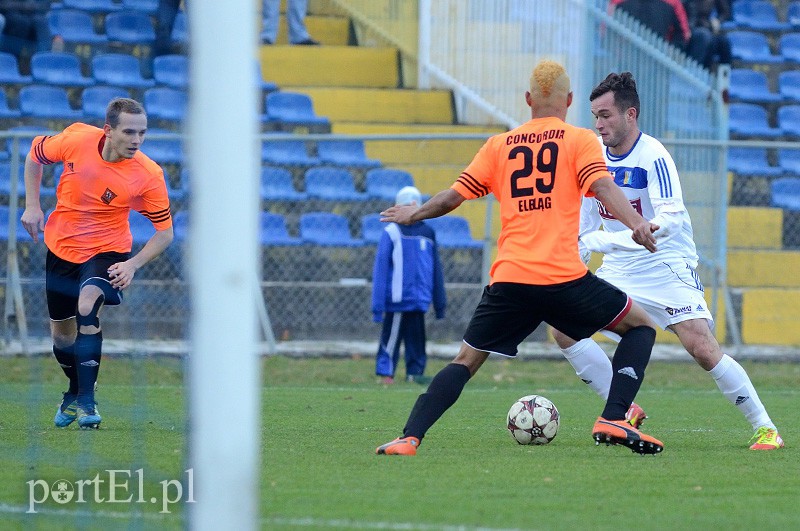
point(539, 173)
point(88, 237)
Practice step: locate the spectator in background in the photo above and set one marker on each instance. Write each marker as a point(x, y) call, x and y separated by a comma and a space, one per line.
point(708, 45)
point(295, 20)
point(407, 276)
point(666, 18)
point(165, 20)
point(26, 30)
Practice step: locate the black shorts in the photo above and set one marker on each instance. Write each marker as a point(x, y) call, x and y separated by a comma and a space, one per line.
point(510, 312)
point(64, 281)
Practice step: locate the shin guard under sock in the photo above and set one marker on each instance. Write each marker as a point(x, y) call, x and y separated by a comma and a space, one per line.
point(628, 364)
point(87, 356)
point(66, 358)
point(442, 393)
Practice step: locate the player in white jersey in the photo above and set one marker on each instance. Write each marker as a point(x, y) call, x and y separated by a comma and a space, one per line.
point(665, 282)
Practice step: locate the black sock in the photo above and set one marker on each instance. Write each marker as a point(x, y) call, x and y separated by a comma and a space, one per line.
point(628, 364)
point(66, 358)
point(442, 393)
point(87, 355)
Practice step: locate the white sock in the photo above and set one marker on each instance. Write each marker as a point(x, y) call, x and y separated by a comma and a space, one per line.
point(591, 364)
point(734, 383)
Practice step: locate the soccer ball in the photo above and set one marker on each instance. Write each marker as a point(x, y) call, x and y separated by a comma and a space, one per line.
point(533, 419)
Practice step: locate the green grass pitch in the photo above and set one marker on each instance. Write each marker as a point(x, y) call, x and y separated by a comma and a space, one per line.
point(323, 418)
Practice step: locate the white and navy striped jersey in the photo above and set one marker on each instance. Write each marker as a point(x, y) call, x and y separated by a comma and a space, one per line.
point(648, 177)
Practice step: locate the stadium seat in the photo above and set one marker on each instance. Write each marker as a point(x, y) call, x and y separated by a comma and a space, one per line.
point(22, 234)
point(453, 231)
point(345, 153)
point(142, 229)
point(274, 232)
point(789, 85)
point(333, 184)
point(5, 181)
point(180, 225)
point(162, 150)
point(328, 229)
point(789, 120)
point(92, 6)
point(752, 47)
point(45, 101)
point(789, 45)
point(146, 6)
point(277, 185)
point(372, 228)
point(750, 120)
point(5, 110)
point(58, 68)
point(786, 193)
point(165, 103)
point(751, 161)
point(762, 16)
point(751, 86)
point(384, 183)
point(180, 29)
point(292, 108)
point(793, 14)
point(74, 26)
point(286, 153)
point(9, 70)
point(171, 70)
point(94, 100)
point(24, 141)
point(130, 27)
point(789, 160)
point(266, 86)
point(119, 69)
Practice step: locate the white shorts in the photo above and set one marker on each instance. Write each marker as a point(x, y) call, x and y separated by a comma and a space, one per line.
point(669, 292)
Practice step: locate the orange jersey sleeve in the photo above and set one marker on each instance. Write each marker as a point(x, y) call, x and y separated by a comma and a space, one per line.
point(538, 172)
point(95, 197)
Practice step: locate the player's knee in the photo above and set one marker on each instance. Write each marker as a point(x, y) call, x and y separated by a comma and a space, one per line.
point(62, 340)
point(89, 310)
point(561, 339)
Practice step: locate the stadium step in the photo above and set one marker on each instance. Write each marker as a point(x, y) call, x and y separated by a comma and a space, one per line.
point(375, 105)
point(769, 316)
point(330, 66)
point(329, 31)
point(755, 228)
point(763, 269)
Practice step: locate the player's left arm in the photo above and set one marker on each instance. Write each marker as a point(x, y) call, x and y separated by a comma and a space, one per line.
point(666, 195)
point(442, 203)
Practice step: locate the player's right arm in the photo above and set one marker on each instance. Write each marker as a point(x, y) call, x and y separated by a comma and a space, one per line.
point(33, 217)
point(442, 203)
point(614, 201)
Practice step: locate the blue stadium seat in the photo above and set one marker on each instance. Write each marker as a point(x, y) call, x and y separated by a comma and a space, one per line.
point(94, 100)
point(119, 69)
point(92, 6)
point(750, 120)
point(753, 47)
point(146, 6)
point(5, 181)
point(786, 193)
point(165, 103)
point(266, 86)
point(789, 85)
point(180, 29)
point(142, 229)
point(372, 228)
point(751, 161)
point(328, 229)
point(453, 231)
point(58, 68)
point(9, 70)
point(277, 185)
point(74, 26)
point(384, 183)
point(24, 141)
point(789, 45)
point(345, 153)
point(751, 86)
point(789, 160)
point(292, 108)
point(130, 27)
point(45, 101)
point(184, 181)
point(764, 17)
point(789, 120)
point(180, 225)
point(286, 153)
point(793, 14)
point(331, 184)
point(171, 70)
point(162, 150)
point(22, 234)
point(274, 232)
point(5, 110)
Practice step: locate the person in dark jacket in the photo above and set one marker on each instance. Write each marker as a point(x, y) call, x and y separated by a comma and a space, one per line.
point(406, 278)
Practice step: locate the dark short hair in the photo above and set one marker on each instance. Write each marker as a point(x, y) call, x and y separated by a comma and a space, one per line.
point(118, 106)
point(624, 88)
